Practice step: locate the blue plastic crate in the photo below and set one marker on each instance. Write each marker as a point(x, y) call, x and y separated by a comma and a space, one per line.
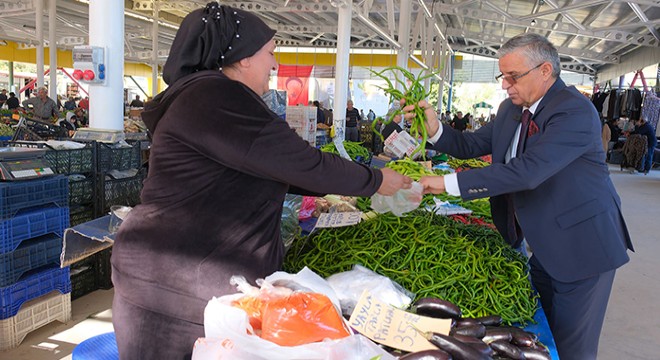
point(37, 283)
point(18, 195)
point(30, 224)
point(34, 253)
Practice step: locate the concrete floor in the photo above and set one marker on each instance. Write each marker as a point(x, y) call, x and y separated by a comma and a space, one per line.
point(632, 325)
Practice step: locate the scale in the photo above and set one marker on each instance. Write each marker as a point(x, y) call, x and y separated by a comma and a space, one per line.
point(100, 135)
point(17, 163)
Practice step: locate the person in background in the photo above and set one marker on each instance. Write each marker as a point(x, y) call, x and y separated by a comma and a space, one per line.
point(70, 104)
point(549, 184)
point(12, 102)
point(3, 97)
point(320, 116)
point(70, 123)
point(215, 145)
point(137, 103)
point(81, 117)
point(371, 115)
point(606, 137)
point(42, 107)
point(645, 129)
point(352, 119)
point(395, 125)
point(84, 103)
point(459, 122)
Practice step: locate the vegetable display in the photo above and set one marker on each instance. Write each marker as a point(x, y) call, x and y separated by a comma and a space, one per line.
point(413, 92)
point(430, 255)
point(355, 150)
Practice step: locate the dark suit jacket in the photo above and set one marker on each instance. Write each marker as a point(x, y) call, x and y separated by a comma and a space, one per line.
point(565, 202)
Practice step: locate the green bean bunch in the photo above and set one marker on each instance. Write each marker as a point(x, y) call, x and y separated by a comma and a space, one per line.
point(413, 92)
point(429, 255)
point(467, 163)
point(353, 149)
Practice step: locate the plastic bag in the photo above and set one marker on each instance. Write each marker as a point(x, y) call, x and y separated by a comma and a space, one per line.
point(229, 334)
point(403, 201)
point(289, 225)
point(349, 286)
point(307, 208)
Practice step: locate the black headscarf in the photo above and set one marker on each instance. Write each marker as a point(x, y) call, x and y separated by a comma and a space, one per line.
point(214, 36)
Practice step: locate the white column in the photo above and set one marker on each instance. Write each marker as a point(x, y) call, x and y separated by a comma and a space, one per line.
point(39, 29)
point(106, 29)
point(52, 49)
point(344, 10)
point(154, 55)
point(404, 35)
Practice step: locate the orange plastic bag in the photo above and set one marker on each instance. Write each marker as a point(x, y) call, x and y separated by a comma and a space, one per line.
point(301, 318)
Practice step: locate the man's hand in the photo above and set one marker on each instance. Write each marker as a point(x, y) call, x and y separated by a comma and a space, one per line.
point(433, 184)
point(393, 182)
point(431, 122)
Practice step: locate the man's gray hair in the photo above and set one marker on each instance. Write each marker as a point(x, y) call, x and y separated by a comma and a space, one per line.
point(42, 88)
point(536, 48)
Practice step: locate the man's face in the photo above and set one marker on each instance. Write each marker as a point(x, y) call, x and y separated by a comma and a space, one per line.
point(525, 90)
point(41, 94)
point(349, 105)
point(459, 115)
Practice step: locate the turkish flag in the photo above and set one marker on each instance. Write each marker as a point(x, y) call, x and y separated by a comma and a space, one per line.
point(295, 80)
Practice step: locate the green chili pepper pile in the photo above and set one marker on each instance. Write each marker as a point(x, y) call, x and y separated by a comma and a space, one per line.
point(429, 255)
point(413, 92)
point(353, 149)
point(461, 164)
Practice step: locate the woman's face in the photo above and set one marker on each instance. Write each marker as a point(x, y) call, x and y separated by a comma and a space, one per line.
point(261, 64)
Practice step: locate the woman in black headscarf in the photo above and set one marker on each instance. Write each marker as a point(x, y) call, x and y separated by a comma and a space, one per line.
point(220, 165)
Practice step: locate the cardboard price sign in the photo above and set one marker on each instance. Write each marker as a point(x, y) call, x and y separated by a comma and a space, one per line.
point(338, 219)
point(395, 328)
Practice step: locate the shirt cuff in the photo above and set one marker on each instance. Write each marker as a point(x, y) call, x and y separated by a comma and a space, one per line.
point(437, 135)
point(451, 185)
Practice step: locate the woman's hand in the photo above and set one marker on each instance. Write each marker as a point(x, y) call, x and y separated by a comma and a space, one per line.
point(393, 182)
point(433, 184)
point(431, 122)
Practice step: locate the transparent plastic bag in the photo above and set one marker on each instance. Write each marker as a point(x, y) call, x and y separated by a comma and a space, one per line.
point(403, 201)
point(349, 286)
point(289, 226)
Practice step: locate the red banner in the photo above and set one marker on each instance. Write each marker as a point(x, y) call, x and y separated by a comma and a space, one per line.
point(295, 80)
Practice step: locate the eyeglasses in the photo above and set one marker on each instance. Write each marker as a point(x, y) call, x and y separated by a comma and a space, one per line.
point(513, 79)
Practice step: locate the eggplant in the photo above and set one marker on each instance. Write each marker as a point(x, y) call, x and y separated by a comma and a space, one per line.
point(533, 354)
point(521, 337)
point(437, 308)
point(462, 322)
point(456, 348)
point(507, 349)
point(497, 334)
point(491, 320)
point(435, 354)
point(475, 343)
point(477, 331)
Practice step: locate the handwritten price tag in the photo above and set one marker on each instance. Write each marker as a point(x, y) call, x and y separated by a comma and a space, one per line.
point(338, 219)
point(395, 328)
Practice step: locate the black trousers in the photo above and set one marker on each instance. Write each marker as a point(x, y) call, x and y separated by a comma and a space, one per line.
point(143, 334)
point(575, 310)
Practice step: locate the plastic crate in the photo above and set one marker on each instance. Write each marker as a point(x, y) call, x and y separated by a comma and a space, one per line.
point(119, 158)
point(30, 224)
point(17, 195)
point(81, 191)
point(124, 191)
point(33, 315)
point(91, 274)
point(81, 214)
point(32, 254)
point(72, 161)
point(36, 283)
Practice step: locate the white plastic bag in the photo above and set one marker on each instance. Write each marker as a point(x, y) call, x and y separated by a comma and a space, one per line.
point(349, 285)
point(403, 201)
point(227, 330)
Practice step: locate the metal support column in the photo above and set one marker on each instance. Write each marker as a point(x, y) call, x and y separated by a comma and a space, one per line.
point(154, 54)
point(405, 12)
point(39, 30)
point(451, 82)
point(345, 13)
point(52, 49)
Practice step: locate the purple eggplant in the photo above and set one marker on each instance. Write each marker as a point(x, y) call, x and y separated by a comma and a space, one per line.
point(477, 331)
point(436, 308)
point(456, 348)
point(507, 349)
point(533, 354)
point(435, 354)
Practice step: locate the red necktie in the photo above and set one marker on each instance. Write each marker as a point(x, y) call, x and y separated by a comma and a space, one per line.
point(526, 116)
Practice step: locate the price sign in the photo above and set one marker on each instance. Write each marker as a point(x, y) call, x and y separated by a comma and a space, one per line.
point(401, 143)
point(338, 219)
point(395, 328)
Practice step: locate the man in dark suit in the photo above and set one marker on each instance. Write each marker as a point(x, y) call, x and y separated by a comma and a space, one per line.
point(549, 184)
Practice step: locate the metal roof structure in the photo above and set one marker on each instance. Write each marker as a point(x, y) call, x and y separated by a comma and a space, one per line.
point(589, 34)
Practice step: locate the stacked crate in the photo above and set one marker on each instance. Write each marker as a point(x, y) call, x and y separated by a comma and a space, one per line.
point(34, 290)
point(115, 190)
point(79, 165)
